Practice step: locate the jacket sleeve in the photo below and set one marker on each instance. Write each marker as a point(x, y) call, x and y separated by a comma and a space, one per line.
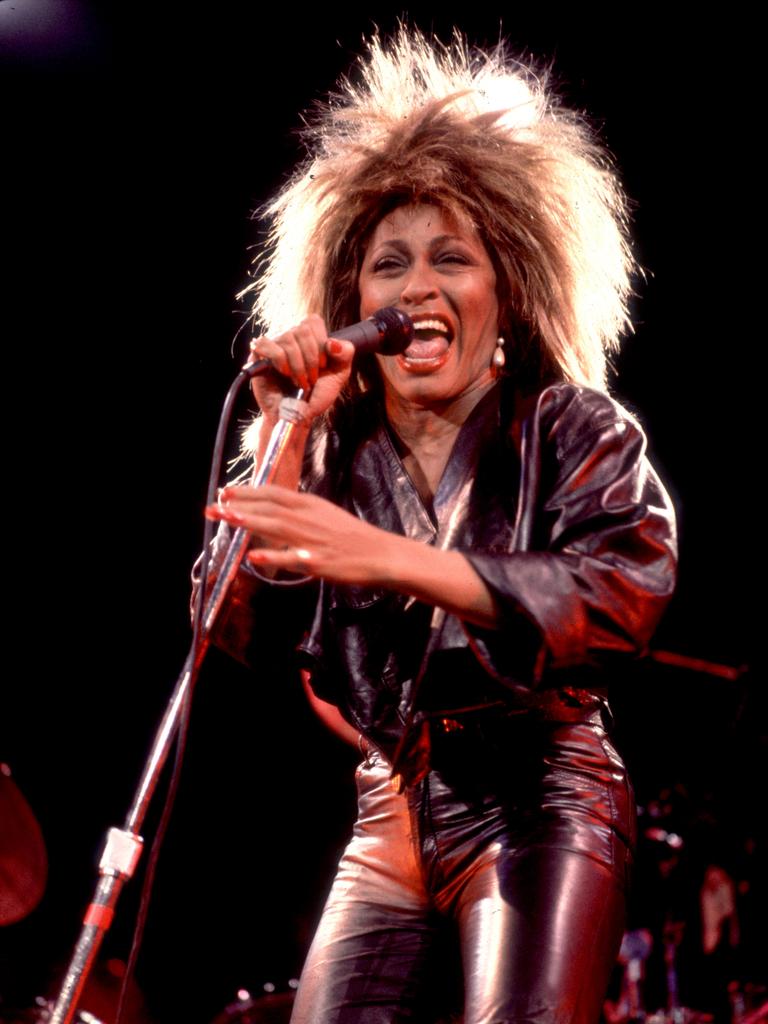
point(255, 612)
point(595, 553)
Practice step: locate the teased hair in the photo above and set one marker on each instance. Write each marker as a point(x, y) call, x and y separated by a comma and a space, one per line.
point(479, 135)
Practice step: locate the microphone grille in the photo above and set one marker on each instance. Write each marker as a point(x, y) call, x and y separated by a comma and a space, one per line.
point(396, 329)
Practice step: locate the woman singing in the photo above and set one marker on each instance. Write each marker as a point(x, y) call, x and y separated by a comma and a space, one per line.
point(489, 540)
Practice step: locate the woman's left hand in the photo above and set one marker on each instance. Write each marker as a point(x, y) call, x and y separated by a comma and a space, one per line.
point(304, 533)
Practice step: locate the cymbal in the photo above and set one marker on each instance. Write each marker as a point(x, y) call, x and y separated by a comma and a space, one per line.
point(23, 860)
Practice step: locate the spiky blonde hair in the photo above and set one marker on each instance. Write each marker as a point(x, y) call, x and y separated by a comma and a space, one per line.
point(481, 136)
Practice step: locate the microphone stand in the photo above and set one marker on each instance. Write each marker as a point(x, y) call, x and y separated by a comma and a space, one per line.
point(123, 846)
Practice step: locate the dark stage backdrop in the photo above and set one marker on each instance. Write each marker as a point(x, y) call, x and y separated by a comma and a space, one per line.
point(134, 154)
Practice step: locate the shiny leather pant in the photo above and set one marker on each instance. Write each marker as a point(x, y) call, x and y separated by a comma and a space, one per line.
point(519, 847)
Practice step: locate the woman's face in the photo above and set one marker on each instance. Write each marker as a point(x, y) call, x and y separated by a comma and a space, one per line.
point(423, 261)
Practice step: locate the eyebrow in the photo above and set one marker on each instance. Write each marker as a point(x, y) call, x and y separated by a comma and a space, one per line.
point(438, 240)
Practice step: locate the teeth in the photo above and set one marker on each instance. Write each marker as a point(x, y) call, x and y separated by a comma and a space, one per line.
point(430, 325)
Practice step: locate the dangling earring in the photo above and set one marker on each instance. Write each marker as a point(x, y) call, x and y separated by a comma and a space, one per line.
point(499, 359)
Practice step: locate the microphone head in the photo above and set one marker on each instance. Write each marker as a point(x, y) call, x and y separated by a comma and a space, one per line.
point(395, 328)
point(389, 331)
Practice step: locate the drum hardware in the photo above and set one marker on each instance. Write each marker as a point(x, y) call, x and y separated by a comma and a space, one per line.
point(272, 1007)
point(635, 949)
point(41, 1013)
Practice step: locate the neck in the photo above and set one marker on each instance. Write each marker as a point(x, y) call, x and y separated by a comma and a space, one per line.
point(427, 434)
point(425, 426)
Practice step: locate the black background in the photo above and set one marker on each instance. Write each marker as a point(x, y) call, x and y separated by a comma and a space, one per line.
point(135, 153)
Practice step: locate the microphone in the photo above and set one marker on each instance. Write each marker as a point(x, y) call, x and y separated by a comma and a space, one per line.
point(388, 331)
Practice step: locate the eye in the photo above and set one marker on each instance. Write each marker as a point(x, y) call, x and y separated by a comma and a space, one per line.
point(453, 257)
point(388, 263)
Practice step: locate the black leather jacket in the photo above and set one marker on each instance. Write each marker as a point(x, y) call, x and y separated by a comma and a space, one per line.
point(554, 503)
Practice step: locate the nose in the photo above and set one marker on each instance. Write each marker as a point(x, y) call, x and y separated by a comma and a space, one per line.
point(419, 285)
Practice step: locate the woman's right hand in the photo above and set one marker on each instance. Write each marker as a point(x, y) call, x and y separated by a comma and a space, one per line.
point(302, 357)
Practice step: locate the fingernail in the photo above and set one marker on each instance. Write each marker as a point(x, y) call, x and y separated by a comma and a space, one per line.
point(334, 346)
point(225, 513)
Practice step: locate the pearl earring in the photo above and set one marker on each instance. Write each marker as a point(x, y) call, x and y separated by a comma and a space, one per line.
point(499, 359)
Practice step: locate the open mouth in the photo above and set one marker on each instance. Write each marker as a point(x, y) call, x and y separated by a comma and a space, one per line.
point(431, 338)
